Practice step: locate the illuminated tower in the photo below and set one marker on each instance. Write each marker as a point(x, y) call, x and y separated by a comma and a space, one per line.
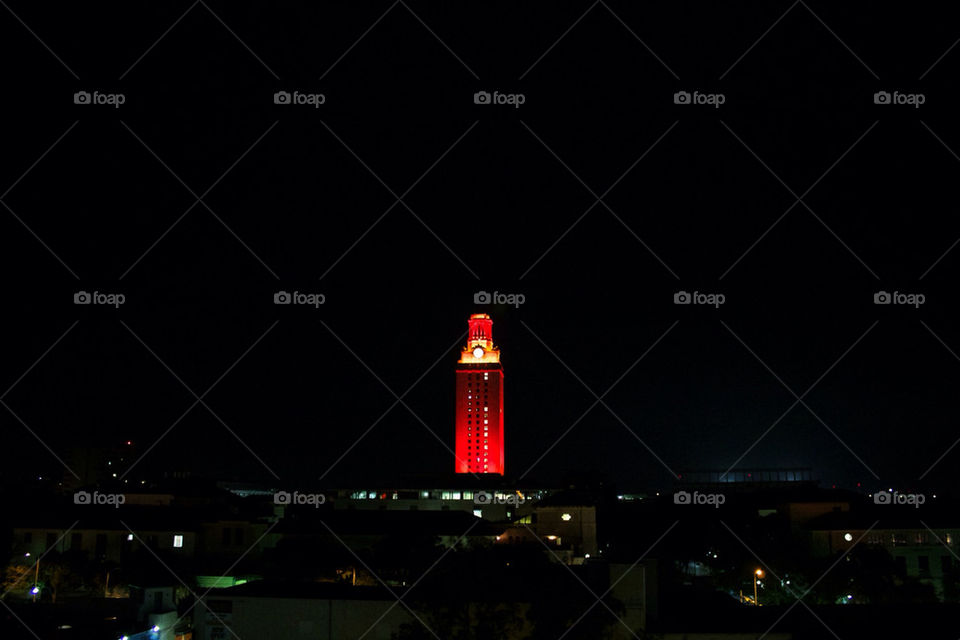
point(479, 439)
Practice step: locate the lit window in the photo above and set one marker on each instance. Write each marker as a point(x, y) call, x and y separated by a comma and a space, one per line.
point(177, 541)
point(478, 513)
point(468, 495)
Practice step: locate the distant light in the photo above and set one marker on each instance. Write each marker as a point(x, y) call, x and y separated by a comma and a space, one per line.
point(849, 597)
point(35, 590)
point(566, 517)
point(129, 537)
point(586, 555)
point(155, 628)
point(129, 442)
point(26, 555)
point(551, 537)
point(759, 573)
point(124, 637)
point(847, 537)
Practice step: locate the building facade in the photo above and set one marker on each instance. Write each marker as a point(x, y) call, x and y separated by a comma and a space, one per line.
point(479, 420)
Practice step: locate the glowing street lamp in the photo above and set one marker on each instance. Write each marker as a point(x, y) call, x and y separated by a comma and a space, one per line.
point(36, 578)
point(756, 574)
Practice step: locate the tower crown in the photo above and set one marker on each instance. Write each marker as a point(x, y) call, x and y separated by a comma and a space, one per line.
point(479, 348)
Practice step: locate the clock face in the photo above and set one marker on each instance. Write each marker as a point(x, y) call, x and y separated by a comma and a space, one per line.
point(478, 353)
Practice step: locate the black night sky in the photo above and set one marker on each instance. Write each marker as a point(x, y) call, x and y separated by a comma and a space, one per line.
point(399, 198)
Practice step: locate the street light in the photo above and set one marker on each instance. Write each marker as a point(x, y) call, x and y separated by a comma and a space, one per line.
point(756, 574)
point(36, 577)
